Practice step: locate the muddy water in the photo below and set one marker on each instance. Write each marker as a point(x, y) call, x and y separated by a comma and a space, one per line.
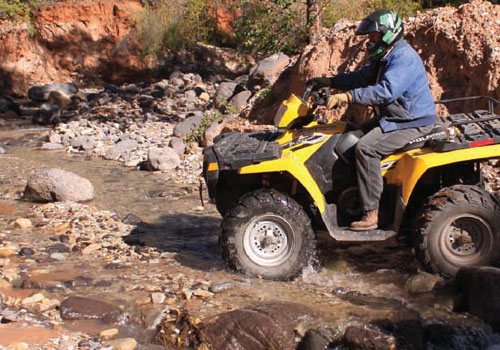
point(350, 281)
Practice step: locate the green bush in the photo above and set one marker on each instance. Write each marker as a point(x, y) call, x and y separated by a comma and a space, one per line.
point(15, 10)
point(175, 26)
point(269, 26)
point(333, 10)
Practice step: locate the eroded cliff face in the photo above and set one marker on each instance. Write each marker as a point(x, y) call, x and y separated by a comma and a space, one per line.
point(72, 40)
point(460, 48)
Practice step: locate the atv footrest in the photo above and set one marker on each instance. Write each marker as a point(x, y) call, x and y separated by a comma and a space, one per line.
point(347, 235)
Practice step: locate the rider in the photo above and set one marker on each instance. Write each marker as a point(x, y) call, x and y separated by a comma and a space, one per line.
point(395, 83)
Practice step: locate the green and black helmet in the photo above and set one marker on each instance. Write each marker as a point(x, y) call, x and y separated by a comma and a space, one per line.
point(388, 24)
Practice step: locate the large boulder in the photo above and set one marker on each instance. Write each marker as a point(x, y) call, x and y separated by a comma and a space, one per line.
point(41, 93)
point(58, 185)
point(478, 292)
point(266, 327)
point(185, 127)
point(162, 159)
point(79, 308)
point(267, 71)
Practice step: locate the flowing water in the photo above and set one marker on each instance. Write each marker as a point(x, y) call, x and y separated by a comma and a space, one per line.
point(350, 281)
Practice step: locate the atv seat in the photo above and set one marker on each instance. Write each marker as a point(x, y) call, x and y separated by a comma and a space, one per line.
point(346, 145)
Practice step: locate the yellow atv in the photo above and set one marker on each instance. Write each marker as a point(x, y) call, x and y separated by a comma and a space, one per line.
point(276, 188)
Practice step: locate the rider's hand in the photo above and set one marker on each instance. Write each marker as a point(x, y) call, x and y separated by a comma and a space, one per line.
point(338, 100)
point(319, 82)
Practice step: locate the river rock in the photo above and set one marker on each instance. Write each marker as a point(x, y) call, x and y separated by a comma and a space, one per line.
point(162, 159)
point(368, 337)
point(22, 223)
point(58, 185)
point(267, 71)
point(188, 125)
point(2, 150)
point(422, 282)
point(79, 308)
point(51, 146)
point(122, 344)
point(178, 145)
point(47, 114)
point(59, 98)
point(477, 290)
point(241, 99)
point(41, 93)
point(83, 142)
point(121, 149)
point(225, 91)
point(269, 326)
point(108, 333)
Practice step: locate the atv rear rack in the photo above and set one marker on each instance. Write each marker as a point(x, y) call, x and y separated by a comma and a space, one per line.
point(475, 129)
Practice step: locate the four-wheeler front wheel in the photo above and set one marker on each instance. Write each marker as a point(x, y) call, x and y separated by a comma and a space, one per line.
point(460, 227)
point(267, 234)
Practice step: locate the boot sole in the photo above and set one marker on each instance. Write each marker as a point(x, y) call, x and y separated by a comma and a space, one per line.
point(368, 228)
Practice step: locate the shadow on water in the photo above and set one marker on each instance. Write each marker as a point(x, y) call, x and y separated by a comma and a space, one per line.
point(194, 239)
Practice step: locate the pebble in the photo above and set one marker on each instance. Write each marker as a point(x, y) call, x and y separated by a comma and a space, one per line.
point(58, 256)
point(122, 344)
point(22, 223)
point(108, 333)
point(158, 298)
point(35, 298)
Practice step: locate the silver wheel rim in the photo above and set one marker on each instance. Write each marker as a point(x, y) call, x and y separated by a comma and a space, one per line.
point(269, 240)
point(466, 239)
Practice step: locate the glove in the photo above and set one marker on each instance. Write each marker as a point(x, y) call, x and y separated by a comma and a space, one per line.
point(338, 100)
point(319, 82)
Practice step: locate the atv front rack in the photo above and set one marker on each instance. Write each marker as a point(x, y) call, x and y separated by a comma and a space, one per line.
point(467, 130)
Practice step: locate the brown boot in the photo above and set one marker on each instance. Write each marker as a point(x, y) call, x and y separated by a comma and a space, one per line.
point(369, 221)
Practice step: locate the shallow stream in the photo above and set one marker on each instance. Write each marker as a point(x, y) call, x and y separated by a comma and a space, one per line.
point(349, 282)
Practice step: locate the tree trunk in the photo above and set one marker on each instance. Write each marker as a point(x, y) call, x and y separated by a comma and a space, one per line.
point(314, 19)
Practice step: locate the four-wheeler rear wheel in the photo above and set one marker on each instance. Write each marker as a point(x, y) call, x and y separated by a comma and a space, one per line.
point(267, 234)
point(459, 227)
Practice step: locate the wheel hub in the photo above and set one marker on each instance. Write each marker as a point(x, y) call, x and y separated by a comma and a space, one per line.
point(269, 240)
point(465, 236)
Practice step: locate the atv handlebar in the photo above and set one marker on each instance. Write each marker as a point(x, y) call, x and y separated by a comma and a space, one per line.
point(320, 97)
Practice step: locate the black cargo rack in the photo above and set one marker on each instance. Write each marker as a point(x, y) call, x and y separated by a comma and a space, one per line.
point(236, 150)
point(476, 129)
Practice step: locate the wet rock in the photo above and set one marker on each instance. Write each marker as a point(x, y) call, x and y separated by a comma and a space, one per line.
point(267, 71)
point(188, 125)
point(477, 292)
point(422, 282)
point(270, 326)
point(162, 159)
point(41, 93)
point(59, 98)
point(120, 149)
point(51, 146)
point(108, 333)
point(316, 340)
point(79, 308)
point(178, 145)
point(122, 344)
point(58, 185)
point(26, 251)
point(47, 114)
point(368, 337)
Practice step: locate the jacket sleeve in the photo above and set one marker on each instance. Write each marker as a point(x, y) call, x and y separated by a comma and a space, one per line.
point(365, 76)
point(398, 75)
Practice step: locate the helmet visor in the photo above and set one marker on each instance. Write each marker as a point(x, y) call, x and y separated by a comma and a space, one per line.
point(366, 27)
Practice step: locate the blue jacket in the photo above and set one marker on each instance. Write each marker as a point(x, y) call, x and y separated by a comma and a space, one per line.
point(402, 92)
